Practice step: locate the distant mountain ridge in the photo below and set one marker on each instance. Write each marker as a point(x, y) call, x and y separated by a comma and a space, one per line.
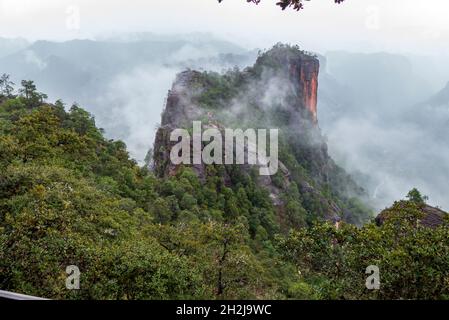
point(9, 46)
point(441, 98)
point(385, 123)
point(117, 79)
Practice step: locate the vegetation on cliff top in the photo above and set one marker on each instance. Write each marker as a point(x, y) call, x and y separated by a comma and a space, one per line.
point(269, 95)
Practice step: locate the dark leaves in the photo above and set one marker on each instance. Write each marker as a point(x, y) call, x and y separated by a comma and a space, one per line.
point(284, 4)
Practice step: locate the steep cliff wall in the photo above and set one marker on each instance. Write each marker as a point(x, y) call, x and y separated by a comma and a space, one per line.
point(301, 70)
point(309, 85)
point(279, 91)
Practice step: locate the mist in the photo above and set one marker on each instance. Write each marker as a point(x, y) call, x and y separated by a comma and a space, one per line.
point(123, 80)
point(380, 73)
point(390, 134)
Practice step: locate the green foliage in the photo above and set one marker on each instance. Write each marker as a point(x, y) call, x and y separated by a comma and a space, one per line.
point(68, 196)
point(6, 86)
point(413, 260)
point(30, 94)
point(218, 88)
point(219, 252)
point(415, 196)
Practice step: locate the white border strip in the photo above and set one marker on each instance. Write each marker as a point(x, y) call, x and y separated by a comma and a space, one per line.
point(17, 296)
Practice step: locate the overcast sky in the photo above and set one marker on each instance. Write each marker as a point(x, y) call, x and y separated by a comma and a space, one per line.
point(362, 25)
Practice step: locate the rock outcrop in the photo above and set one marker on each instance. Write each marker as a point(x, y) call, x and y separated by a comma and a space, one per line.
point(308, 84)
point(431, 217)
point(301, 71)
point(279, 91)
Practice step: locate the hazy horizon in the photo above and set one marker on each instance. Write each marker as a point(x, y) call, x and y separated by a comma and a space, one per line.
point(401, 26)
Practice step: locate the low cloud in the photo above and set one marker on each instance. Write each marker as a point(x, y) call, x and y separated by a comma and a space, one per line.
point(32, 58)
point(390, 158)
point(133, 103)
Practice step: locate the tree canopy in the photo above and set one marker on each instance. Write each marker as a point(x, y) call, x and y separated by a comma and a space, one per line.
point(415, 196)
point(6, 86)
point(69, 196)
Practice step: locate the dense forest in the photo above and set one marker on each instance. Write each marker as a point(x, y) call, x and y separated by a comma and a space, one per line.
point(70, 196)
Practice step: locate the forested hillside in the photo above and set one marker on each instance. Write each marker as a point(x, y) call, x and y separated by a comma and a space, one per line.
point(69, 196)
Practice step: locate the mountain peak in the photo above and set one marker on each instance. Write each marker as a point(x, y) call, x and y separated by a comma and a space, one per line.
point(279, 91)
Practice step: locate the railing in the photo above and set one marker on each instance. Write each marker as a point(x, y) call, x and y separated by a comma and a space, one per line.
point(6, 295)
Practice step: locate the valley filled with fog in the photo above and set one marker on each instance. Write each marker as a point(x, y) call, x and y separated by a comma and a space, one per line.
point(385, 116)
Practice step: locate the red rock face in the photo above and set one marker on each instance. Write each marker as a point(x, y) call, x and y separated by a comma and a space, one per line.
point(305, 75)
point(309, 86)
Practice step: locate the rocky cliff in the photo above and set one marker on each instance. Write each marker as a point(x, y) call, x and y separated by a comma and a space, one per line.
point(425, 214)
point(279, 91)
point(305, 74)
